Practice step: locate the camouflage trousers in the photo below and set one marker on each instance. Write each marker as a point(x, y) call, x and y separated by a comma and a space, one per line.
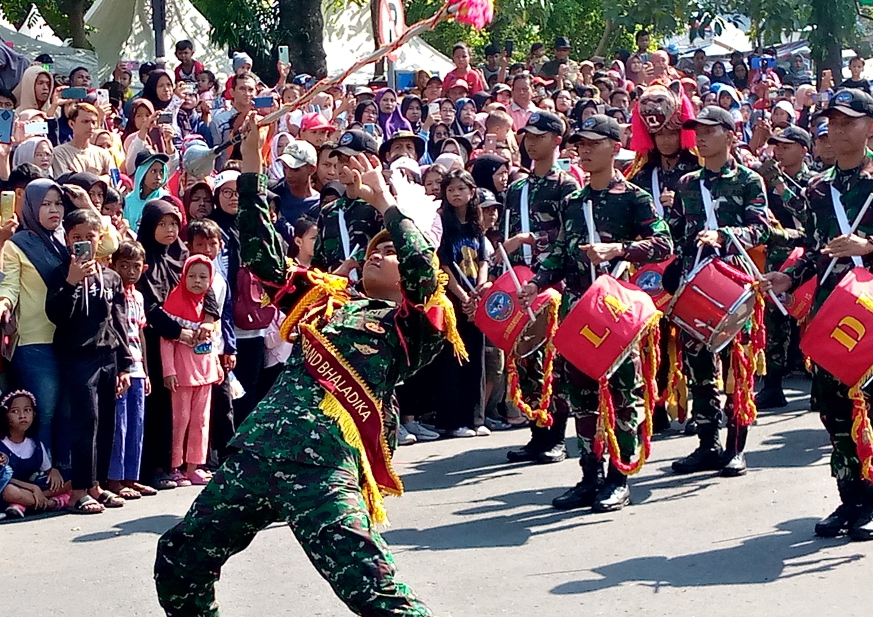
point(325, 510)
point(778, 339)
point(530, 380)
point(577, 393)
point(703, 369)
point(830, 398)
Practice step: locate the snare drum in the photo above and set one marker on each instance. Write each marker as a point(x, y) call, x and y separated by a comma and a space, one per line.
point(840, 335)
point(649, 278)
point(713, 303)
point(799, 302)
point(603, 327)
point(506, 323)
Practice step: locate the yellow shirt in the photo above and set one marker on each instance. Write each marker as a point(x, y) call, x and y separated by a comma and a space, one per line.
point(24, 287)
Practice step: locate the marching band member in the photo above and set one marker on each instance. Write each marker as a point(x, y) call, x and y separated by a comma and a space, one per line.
point(626, 227)
point(723, 197)
point(835, 199)
point(531, 224)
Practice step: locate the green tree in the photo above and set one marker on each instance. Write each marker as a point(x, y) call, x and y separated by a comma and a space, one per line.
point(66, 17)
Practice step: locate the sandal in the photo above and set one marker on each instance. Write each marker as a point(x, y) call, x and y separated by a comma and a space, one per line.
point(129, 494)
point(142, 489)
point(110, 500)
point(86, 505)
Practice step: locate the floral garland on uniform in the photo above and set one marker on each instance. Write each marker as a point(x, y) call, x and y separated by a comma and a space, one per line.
point(540, 412)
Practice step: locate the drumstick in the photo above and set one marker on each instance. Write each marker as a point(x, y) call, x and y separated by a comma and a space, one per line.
point(353, 274)
point(853, 230)
point(699, 255)
point(515, 280)
point(463, 278)
point(756, 272)
point(589, 221)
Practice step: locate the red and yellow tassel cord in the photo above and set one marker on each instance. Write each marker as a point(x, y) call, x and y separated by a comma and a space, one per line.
point(746, 361)
point(862, 434)
point(675, 397)
point(650, 358)
point(540, 411)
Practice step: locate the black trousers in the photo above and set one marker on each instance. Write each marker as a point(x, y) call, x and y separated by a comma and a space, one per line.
point(249, 361)
point(157, 441)
point(461, 384)
point(221, 426)
point(89, 379)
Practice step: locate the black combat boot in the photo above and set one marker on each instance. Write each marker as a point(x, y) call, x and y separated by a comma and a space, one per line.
point(532, 449)
point(708, 455)
point(555, 454)
point(615, 493)
point(845, 516)
point(554, 450)
point(861, 529)
point(583, 494)
point(734, 458)
point(772, 395)
point(690, 427)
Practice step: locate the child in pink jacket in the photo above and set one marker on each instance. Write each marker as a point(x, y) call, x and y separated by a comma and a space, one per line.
point(189, 373)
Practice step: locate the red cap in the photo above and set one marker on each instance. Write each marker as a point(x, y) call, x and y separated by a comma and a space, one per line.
point(314, 121)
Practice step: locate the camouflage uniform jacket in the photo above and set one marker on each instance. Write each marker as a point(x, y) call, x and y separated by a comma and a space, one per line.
point(668, 178)
point(790, 209)
point(545, 198)
point(738, 199)
point(287, 424)
point(854, 185)
point(363, 222)
point(622, 213)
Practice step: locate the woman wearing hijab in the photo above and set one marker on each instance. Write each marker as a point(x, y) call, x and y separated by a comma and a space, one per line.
point(718, 75)
point(30, 259)
point(165, 255)
point(491, 171)
point(635, 70)
point(415, 113)
point(465, 117)
point(390, 118)
point(618, 66)
point(275, 169)
point(36, 150)
point(798, 74)
point(740, 76)
point(158, 89)
point(148, 184)
point(439, 132)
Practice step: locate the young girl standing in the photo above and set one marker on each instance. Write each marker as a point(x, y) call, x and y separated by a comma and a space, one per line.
point(463, 258)
point(189, 373)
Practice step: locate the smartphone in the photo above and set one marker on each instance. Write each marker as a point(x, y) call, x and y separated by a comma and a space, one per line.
point(509, 47)
point(82, 249)
point(47, 67)
point(133, 65)
point(7, 205)
point(102, 97)
point(165, 117)
point(433, 109)
point(773, 94)
point(263, 102)
point(755, 63)
point(37, 127)
point(490, 142)
point(564, 165)
point(7, 120)
point(780, 92)
point(644, 58)
point(74, 94)
point(284, 57)
point(370, 128)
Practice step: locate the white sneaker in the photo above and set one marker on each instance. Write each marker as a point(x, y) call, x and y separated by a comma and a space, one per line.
point(483, 431)
point(421, 433)
point(463, 432)
point(404, 437)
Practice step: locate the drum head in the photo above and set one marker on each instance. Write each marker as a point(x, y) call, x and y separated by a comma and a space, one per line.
point(733, 322)
point(534, 335)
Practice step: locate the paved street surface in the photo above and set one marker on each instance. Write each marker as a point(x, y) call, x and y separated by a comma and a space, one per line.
point(475, 536)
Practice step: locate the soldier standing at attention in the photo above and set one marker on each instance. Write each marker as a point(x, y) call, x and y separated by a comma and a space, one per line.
point(347, 225)
point(314, 452)
point(721, 197)
point(626, 228)
point(531, 224)
point(785, 182)
point(850, 115)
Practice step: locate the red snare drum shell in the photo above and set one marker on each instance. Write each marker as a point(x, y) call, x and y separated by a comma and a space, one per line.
point(500, 315)
point(712, 306)
point(601, 329)
point(649, 278)
point(839, 337)
point(799, 302)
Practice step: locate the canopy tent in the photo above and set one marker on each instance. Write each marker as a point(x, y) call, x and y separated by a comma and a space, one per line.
point(66, 58)
point(122, 30)
point(36, 27)
point(348, 36)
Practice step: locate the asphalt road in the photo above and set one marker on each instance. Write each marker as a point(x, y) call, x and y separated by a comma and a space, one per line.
point(475, 536)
